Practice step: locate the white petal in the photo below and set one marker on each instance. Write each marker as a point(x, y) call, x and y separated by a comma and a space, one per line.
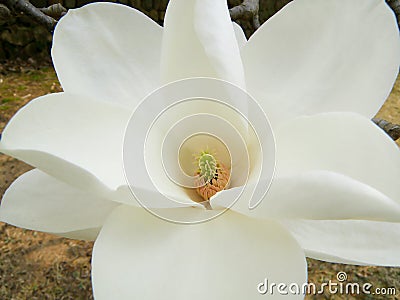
point(322, 56)
point(355, 242)
point(75, 139)
point(317, 195)
point(240, 36)
point(108, 51)
point(38, 201)
point(152, 198)
point(199, 41)
point(344, 143)
point(139, 256)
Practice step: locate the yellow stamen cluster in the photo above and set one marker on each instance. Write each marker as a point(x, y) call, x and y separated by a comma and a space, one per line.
point(213, 176)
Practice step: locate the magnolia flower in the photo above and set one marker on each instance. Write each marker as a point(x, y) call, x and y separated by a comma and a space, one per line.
point(319, 69)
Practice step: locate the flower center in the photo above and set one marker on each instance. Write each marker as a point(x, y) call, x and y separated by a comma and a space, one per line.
point(212, 176)
point(200, 171)
point(207, 166)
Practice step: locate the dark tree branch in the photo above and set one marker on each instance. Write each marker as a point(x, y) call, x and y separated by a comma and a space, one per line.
point(393, 130)
point(55, 11)
point(247, 10)
point(27, 8)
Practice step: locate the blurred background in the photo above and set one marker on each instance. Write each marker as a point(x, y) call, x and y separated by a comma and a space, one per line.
point(35, 265)
point(21, 37)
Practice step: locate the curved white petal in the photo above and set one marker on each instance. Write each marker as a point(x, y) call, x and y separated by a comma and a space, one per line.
point(139, 256)
point(355, 242)
point(344, 143)
point(73, 138)
point(239, 33)
point(77, 140)
point(38, 201)
point(318, 195)
point(327, 195)
point(153, 198)
point(322, 56)
point(108, 51)
point(199, 41)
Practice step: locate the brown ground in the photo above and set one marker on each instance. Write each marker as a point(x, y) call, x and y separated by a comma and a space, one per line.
point(35, 265)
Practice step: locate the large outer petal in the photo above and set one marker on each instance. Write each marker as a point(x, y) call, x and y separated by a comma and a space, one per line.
point(351, 241)
point(38, 201)
point(108, 51)
point(330, 166)
point(316, 195)
point(322, 56)
point(344, 143)
point(199, 41)
point(75, 139)
point(139, 256)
